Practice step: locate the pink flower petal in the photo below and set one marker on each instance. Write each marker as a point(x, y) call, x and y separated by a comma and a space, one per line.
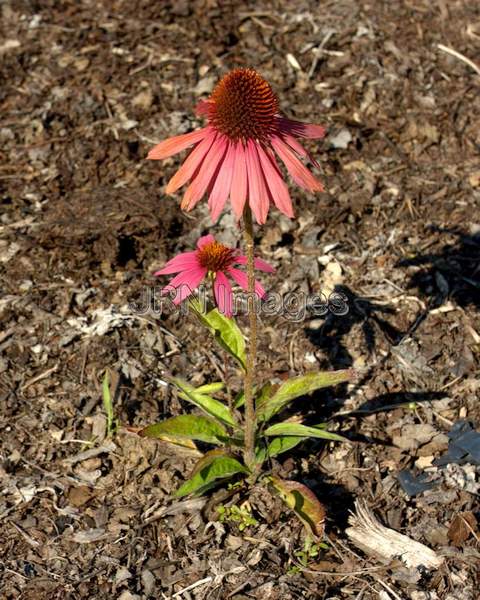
point(223, 294)
point(276, 185)
point(185, 283)
point(205, 239)
point(259, 264)
point(238, 192)
point(205, 175)
point(257, 191)
point(176, 144)
point(221, 187)
point(305, 130)
point(191, 164)
point(241, 278)
point(203, 108)
point(299, 149)
point(300, 174)
point(186, 260)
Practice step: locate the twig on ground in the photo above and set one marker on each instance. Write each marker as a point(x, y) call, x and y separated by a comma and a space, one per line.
point(38, 378)
point(461, 57)
point(94, 452)
point(389, 589)
point(193, 586)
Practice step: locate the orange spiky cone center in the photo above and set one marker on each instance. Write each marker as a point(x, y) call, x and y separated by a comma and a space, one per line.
point(243, 106)
point(215, 257)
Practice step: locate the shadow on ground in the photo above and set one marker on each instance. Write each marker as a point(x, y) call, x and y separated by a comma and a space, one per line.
point(452, 273)
point(332, 335)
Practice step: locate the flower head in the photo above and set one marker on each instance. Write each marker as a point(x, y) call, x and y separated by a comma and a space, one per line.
point(214, 259)
point(235, 154)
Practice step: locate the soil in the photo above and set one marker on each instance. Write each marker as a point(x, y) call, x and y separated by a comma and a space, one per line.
point(88, 86)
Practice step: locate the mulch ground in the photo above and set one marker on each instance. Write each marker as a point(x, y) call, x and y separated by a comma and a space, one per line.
point(87, 88)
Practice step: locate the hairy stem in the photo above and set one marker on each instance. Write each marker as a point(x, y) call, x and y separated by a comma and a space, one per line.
point(250, 418)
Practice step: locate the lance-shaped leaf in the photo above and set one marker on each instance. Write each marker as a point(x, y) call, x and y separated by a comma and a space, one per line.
point(264, 394)
point(239, 399)
point(108, 403)
point(212, 407)
point(183, 443)
point(215, 465)
point(211, 388)
point(189, 445)
point(260, 395)
point(189, 427)
point(277, 446)
point(225, 331)
point(297, 387)
point(303, 502)
point(297, 429)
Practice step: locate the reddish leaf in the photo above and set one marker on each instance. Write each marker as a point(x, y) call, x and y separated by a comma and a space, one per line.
point(304, 503)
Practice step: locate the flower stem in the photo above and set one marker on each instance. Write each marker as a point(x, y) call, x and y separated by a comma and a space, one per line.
point(250, 417)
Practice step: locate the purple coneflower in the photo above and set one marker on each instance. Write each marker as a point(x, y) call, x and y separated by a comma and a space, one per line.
point(234, 155)
point(214, 259)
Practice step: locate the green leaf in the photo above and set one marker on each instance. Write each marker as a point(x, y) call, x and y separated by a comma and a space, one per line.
point(239, 399)
point(225, 331)
point(297, 429)
point(190, 427)
point(263, 394)
point(277, 446)
point(212, 407)
point(216, 464)
point(182, 443)
point(303, 502)
point(300, 386)
point(210, 388)
point(107, 403)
